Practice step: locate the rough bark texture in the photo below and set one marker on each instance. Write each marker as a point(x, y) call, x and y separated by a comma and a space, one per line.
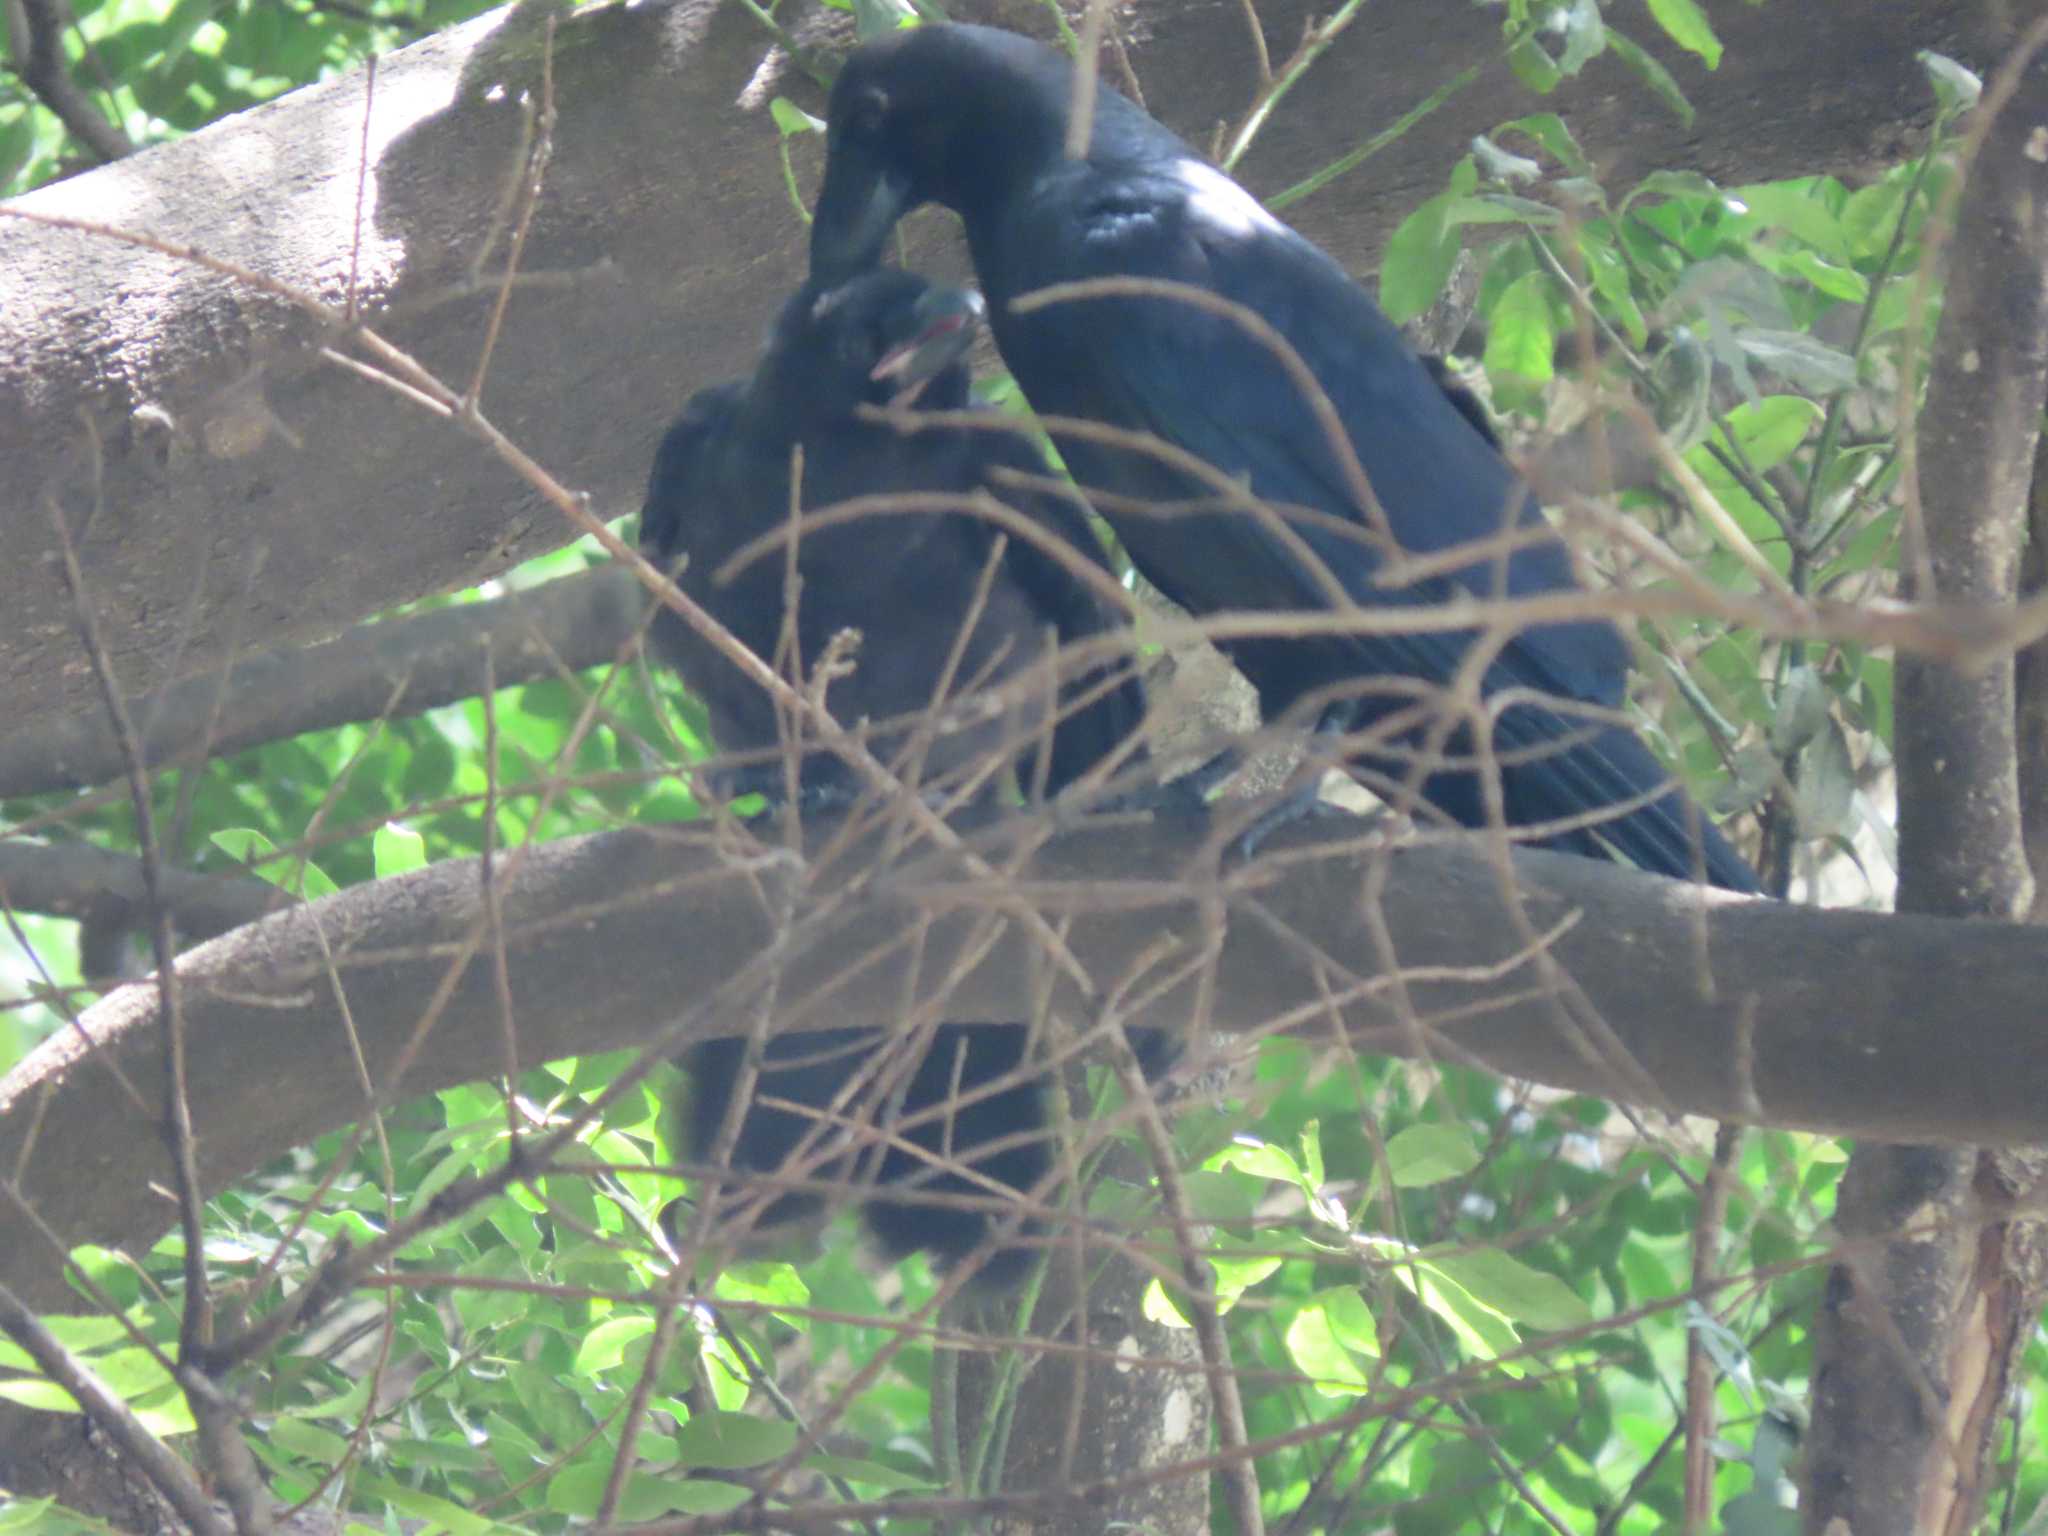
point(385, 671)
point(230, 492)
point(93, 885)
point(1925, 1315)
point(1089, 1420)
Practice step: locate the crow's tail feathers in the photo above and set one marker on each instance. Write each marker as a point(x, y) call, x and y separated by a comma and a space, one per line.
point(1610, 766)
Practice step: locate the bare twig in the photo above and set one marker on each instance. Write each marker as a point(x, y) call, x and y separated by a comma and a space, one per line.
point(35, 31)
point(355, 243)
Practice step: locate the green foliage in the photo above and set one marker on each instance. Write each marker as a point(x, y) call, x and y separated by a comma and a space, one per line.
point(160, 70)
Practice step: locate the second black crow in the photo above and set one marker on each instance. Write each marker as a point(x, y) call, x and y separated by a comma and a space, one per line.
point(944, 622)
point(977, 120)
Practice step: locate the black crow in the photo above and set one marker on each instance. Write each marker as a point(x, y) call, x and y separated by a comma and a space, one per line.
point(908, 582)
point(977, 119)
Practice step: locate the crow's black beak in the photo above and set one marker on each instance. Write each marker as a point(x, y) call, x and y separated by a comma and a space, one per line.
point(944, 323)
point(857, 207)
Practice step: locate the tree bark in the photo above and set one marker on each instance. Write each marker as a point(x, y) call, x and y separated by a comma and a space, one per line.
point(91, 884)
point(386, 671)
point(1927, 1312)
point(230, 492)
point(1740, 1010)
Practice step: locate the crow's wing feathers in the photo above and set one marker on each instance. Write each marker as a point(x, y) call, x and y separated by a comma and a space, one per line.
point(1201, 381)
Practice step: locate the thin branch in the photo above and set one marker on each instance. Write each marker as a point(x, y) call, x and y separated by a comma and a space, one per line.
point(81, 881)
point(166, 1471)
point(35, 30)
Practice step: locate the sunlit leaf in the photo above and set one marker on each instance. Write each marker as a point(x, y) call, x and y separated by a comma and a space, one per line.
point(730, 1441)
point(1687, 25)
point(1516, 1290)
point(397, 849)
point(1955, 87)
point(1429, 1154)
point(1317, 1352)
point(1422, 250)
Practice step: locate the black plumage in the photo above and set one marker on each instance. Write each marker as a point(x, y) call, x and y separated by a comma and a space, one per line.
point(976, 119)
point(907, 581)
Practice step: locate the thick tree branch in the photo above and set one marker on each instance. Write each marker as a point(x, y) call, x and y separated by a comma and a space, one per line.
point(189, 427)
point(77, 880)
point(1901, 1027)
point(389, 670)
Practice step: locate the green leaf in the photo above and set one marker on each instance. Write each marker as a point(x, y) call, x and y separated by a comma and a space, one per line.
point(1223, 1197)
point(1837, 282)
point(1827, 785)
point(1429, 1154)
point(1262, 1160)
point(1549, 130)
point(1792, 207)
point(310, 1442)
point(793, 119)
point(38, 1394)
point(1612, 283)
point(1800, 360)
point(1422, 250)
point(1767, 431)
point(579, 1490)
point(763, 1285)
point(1312, 1154)
point(1318, 1353)
point(1502, 165)
point(1514, 1289)
point(872, 1473)
point(425, 1506)
point(1653, 74)
point(604, 1347)
point(1955, 87)
point(1675, 185)
point(300, 877)
point(1158, 1307)
point(1482, 1330)
point(397, 848)
point(1758, 1513)
point(1231, 1278)
point(1802, 711)
point(1687, 25)
point(1585, 35)
point(1684, 377)
point(1501, 208)
point(1871, 215)
point(1533, 67)
point(1520, 342)
point(431, 768)
point(878, 18)
point(729, 1441)
point(704, 1496)
point(17, 143)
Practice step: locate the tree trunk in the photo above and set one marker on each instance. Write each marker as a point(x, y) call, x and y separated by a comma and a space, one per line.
point(1939, 1287)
